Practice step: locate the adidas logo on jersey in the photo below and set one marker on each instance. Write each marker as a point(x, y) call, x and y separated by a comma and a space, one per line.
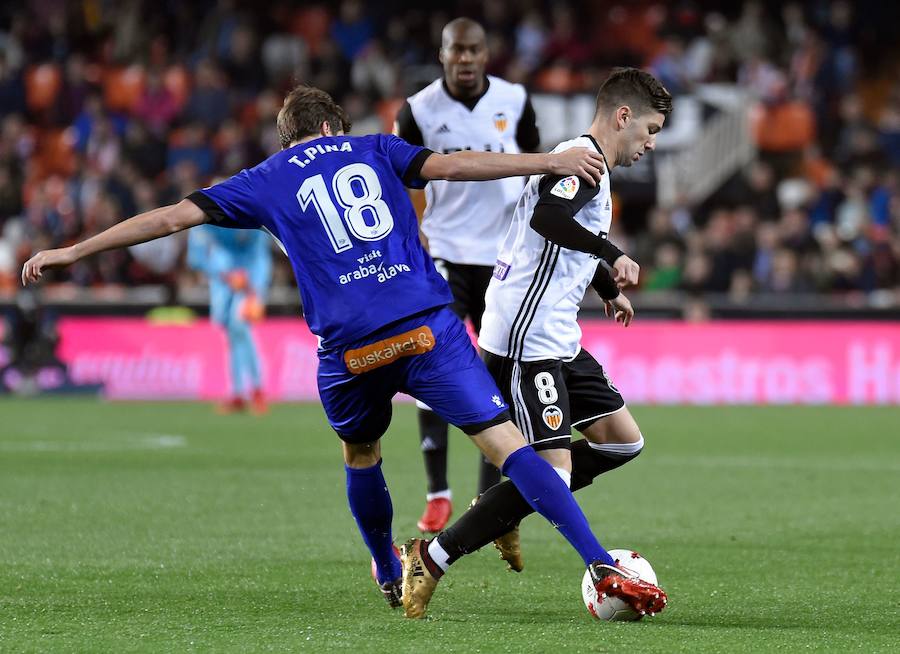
point(606, 208)
point(443, 129)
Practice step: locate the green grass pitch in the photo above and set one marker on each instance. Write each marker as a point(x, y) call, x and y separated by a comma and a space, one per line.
point(164, 528)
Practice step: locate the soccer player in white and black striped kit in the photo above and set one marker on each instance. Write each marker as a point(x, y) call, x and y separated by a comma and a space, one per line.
point(530, 334)
point(464, 222)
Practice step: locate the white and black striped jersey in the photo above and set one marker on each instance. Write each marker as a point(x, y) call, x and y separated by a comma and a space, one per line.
point(532, 301)
point(464, 221)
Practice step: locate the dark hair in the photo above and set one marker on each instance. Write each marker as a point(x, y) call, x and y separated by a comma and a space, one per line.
point(305, 109)
point(635, 88)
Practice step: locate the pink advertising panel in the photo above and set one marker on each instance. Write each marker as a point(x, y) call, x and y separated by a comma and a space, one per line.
point(651, 363)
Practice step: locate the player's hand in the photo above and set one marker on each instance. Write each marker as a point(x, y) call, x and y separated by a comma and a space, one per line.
point(626, 271)
point(252, 309)
point(620, 308)
point(33, 269)
point(584, 162)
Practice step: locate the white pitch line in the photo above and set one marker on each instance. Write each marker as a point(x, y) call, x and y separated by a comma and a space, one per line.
point(787, 463)
point(125, 442)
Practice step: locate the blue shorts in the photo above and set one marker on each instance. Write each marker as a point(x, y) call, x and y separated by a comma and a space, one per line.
point(429, 356)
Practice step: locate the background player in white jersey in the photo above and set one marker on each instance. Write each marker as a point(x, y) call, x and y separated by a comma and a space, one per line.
point(464, 222)
point(530, 334)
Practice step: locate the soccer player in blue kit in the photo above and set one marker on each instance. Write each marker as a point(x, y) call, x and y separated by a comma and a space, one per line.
point(338, 207)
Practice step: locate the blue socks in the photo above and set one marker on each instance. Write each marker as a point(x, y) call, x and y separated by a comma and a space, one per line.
point(547, 494)
point(370, 504)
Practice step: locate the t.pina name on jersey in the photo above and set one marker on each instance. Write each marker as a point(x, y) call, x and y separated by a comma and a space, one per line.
point(315, 150)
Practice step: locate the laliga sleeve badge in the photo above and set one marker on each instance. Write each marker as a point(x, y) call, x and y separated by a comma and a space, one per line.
point(566, 188)
point(552, 416)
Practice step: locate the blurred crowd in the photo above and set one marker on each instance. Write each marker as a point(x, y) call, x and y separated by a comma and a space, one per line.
point(113, 107)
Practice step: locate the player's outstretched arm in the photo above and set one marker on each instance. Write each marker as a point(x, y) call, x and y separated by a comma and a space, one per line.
point(478, 166)
point(138, 229)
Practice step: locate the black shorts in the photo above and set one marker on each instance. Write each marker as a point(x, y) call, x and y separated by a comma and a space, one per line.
point(549, 397)
point(468, 284)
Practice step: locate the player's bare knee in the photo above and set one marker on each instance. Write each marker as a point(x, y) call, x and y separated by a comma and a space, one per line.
point(499, 441)
point(362, 455)
point(559, 458)
point(619, 427)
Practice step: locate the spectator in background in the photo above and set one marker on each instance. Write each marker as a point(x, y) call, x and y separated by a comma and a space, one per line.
point(857, 141)
point(329, 70)
point(103, 146)
point(242, 63)
point(193, 145)
point(74, 90)
point(531, 39)
point(830, 107)
point(796, 30)
point(840, 34)
point(209, 103)
point(12, 89)
point(373, 73)
point(670, 66)
point(83, 124)
point(215, 31)
point(284, 56)
point(667, 266)
point(353, 30)
point(10, 191)
point(11, 46)
point(889, 129)
point(157, 106)
point(144, 150)
point(362, 114)
point(234, 149)
point(753, 35)
point(785, 274)
point(717, 240)
point(565, 42)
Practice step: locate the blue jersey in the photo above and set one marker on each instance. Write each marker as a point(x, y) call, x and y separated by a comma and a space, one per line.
point(340, 210)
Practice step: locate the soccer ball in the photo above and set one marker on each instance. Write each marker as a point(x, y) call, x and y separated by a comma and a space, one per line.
point(613, 609)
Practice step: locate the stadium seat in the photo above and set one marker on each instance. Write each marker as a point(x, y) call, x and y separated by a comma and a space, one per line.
point(387, 111)
point(42, 84)
point(784, 127)
point(557, 79)
point(122, 87)
point(311, 24)
point(178, 82)
point(55, 153)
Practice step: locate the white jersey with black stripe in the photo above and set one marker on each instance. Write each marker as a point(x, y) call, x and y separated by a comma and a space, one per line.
point(533, 299)
point(464, 221)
